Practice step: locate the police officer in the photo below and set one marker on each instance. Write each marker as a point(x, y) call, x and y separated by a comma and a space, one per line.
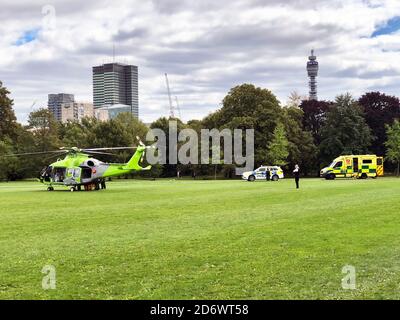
point(296, 173)
point(268, 175)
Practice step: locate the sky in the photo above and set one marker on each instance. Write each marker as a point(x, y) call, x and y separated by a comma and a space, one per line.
point(206, 47)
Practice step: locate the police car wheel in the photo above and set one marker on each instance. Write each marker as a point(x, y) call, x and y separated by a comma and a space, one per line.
point(252, 178)
point(72, 189)
point(275, 178)
point(50, 189)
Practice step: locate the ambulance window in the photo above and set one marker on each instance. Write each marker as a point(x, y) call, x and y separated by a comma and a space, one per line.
point(367, 161)
point(338, 164)
point(379, 161)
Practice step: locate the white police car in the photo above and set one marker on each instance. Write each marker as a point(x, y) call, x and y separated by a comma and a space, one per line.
point(260, 173)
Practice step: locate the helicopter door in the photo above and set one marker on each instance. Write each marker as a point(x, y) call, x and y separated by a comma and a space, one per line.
point(86, 173)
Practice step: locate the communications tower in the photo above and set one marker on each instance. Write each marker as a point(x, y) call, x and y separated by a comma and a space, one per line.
point(312, 70)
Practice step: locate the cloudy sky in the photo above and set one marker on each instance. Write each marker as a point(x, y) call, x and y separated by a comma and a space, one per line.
point(205, 46)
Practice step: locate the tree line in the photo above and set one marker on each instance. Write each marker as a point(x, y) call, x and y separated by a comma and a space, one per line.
point(309, 133)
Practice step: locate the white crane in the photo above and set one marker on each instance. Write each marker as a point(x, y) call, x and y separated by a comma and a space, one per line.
point(171, 107)
point(178, 107)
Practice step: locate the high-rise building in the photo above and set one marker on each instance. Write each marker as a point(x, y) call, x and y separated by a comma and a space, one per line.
point(312, 70)
point(56, 101)
point(116, 84)
point(64, 108)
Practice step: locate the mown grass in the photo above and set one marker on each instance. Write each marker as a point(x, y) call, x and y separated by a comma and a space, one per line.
point(202, 240)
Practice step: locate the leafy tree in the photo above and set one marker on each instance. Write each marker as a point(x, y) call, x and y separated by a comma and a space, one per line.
point(314, 116)
point(345, 131)
point(249, 107)
point(294, 99)
point(169, 170)
point(393, 143)
point(301, 147)
point(278, 148)
point(380, 110)
point(8, 121)
point(78, 134)
point(9, 165)
point(45, 137)
point(45, 130)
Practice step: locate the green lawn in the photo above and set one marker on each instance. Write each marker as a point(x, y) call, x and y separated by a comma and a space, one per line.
point(202, 240)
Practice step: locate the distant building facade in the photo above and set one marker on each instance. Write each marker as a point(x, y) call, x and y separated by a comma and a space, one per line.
point(76, 111)
point(116, 84)
point(111, 111)
point(101, 114)
point(312, 70)
point(55, 103)
point(64, 108)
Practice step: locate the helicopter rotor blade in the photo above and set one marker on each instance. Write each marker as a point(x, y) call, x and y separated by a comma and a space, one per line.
point(102, 153)
point(112, 148)
point(33, 153)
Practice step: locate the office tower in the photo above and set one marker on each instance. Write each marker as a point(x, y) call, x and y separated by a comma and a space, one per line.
point(64, 108)
point(115, 86)
point(56, 101)
point(312, 70)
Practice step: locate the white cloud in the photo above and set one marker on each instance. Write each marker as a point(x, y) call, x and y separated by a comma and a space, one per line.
point(206, 47)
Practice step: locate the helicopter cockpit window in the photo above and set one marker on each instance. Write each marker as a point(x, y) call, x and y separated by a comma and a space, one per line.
point(46, 173)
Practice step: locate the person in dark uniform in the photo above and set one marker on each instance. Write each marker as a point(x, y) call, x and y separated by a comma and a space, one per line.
point(296, 173)
point(268, 175)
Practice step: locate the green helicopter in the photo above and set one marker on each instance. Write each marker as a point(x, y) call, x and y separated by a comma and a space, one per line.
point(79, 169)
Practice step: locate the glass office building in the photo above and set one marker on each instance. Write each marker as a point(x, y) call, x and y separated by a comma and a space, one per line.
point(116, 84)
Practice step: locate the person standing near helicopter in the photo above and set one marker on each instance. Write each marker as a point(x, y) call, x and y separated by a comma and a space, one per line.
point(296, 173)
point(268, 174)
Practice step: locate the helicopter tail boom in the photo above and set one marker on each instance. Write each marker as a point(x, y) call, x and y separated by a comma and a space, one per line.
point(133, 163)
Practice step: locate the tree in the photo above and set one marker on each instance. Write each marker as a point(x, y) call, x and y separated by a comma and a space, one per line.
point(278, 148)
point(79, 134)
point(8, 121)
point(44, 136)
point(345, 131)
point(294, 99)
point(314, 117)
point(169, 170)
point(393, 143)
point(45, 130)
point(249, 107)
point(9, 165)
point(380, 110)
point(301, 147)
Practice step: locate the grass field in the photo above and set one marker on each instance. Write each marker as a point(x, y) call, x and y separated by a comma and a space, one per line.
point(202, 239)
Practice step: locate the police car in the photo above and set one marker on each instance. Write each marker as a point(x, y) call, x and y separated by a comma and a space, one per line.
point(260, 173)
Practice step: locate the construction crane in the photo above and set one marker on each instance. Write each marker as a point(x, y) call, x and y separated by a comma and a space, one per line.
point(178, 107)
point(33, 104)
point(171, 107)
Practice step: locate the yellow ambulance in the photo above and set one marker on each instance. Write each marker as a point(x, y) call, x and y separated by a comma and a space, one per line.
point(354, 166)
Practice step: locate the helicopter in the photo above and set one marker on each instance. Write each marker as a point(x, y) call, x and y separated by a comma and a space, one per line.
point(79, 169)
